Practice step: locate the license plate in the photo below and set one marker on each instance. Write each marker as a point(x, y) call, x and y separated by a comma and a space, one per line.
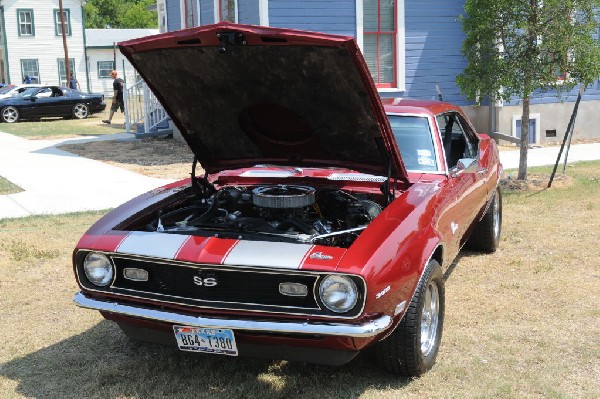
point(208, 340)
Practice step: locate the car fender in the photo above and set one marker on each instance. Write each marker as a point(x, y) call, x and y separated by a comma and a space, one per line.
point(392, 267)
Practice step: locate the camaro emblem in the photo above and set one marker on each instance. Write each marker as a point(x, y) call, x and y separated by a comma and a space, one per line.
point(205, 282)
point(321, 256)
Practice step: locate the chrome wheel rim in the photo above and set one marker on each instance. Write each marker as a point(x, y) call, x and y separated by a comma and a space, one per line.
point(81, 111)
point(496, 216)
point(430, 318)
point(10, 114)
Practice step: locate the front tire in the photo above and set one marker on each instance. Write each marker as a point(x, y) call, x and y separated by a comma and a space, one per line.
point(10, 114)
point(486, 234)
point(412, 348)
point(80, 111)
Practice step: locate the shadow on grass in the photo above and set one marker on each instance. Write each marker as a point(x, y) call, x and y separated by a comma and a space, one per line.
point(102, 362)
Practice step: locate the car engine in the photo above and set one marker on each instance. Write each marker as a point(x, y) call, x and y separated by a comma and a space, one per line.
point(287, 213)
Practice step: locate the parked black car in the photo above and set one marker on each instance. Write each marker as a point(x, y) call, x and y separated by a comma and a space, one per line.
point(50, 101)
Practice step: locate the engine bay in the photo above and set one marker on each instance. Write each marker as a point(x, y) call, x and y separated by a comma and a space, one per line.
point(280, 212)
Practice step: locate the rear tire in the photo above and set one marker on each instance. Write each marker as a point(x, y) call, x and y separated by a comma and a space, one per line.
point(412, 348)
point(80, 111)
point(10, 114)
point(486, 234)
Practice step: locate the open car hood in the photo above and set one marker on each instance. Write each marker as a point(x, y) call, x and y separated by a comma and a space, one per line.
point(244, 95)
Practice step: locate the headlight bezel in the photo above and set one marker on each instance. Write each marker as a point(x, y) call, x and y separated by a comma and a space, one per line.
point(109, 268)
point(330, 281)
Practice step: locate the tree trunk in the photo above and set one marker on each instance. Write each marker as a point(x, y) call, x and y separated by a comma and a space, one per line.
point(524, 139)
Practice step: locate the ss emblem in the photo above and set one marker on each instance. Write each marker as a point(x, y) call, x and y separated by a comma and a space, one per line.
point(206, 282)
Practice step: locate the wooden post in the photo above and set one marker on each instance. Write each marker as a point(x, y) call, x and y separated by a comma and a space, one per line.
point(64, 39)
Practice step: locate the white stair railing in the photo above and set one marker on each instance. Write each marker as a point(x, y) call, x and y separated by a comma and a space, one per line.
point(142, 108)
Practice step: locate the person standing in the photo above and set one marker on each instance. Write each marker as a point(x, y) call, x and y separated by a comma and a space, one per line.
point(74, 83)
point(117, 101)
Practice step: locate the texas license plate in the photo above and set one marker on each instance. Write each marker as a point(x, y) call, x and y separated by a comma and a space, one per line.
point(208, 340)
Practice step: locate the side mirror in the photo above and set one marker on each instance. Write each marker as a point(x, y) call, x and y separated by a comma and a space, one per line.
point(33, 98)
point(464, 165)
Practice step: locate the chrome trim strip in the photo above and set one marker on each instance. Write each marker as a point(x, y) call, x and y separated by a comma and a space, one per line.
point(367, 329)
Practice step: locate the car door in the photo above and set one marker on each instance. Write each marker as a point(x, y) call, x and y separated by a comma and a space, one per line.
point(466, 173)
point(42, 103)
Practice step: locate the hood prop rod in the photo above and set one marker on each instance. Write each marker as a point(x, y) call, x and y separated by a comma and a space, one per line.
point(201, 185)
point(385, 187)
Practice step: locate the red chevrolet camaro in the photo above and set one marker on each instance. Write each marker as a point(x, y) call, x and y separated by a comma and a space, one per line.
point(322, 221)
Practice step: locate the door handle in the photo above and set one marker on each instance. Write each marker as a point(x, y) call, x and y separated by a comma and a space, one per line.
point(482, 171)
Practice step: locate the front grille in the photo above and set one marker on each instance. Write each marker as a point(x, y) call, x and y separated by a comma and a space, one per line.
point(232, 286)
point(236, 288)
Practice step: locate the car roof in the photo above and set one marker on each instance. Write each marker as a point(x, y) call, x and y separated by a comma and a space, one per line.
point(416, 106)
point(29, 85)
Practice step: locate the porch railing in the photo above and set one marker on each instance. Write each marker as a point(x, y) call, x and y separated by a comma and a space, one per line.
point(143, 111)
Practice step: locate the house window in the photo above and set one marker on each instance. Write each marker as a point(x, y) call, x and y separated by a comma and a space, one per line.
point(380, 29)
point(58, 22)
point(189, 13)
point(30, 71)
point(228, 10)
point(25, 18)
point(62, 73)
point(105, 68)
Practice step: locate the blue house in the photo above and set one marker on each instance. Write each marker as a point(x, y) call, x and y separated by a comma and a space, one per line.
point(413, 49)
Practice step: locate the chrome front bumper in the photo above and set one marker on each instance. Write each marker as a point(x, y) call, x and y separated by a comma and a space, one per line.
point(367, 329)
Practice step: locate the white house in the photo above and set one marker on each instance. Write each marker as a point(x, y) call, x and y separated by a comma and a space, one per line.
point(101, 55)
point(31, 41)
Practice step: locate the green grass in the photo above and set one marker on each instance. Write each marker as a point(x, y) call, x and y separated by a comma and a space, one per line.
point(54, 128)
point(6, 187)
point(523, 322)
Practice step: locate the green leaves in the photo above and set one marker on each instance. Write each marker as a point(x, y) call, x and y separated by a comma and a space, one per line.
point(514, 47)
point(119, 14)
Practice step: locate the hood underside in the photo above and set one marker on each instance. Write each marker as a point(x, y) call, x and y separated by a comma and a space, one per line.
point(244, 95)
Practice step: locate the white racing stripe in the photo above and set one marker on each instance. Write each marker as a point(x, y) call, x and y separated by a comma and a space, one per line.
point(267, 254)
point(158, 245)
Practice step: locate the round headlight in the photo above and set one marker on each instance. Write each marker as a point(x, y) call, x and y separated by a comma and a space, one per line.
point(338, 293)
point(98, 269)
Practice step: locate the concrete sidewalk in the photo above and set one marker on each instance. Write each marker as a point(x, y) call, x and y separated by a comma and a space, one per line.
point(56, 181)
point(547, 155)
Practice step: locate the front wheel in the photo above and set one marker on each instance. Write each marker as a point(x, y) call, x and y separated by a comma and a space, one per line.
point(80, 111)
point(10, 114)
point(412, 348)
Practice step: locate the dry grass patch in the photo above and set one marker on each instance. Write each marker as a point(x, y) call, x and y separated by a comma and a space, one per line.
point(535, 182)
point(521, 323)
point(58, 128)
point(7, 187)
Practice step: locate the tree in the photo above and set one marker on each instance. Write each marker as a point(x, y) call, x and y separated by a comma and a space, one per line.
point(138, 16)
point(119, 14)
point(514, 47)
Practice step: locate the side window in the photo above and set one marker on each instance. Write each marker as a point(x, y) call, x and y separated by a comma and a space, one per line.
point(459, 142)
point(44, 93)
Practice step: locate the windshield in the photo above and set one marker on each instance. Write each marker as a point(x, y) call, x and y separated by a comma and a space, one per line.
point(6, 89)
point(415, 141)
